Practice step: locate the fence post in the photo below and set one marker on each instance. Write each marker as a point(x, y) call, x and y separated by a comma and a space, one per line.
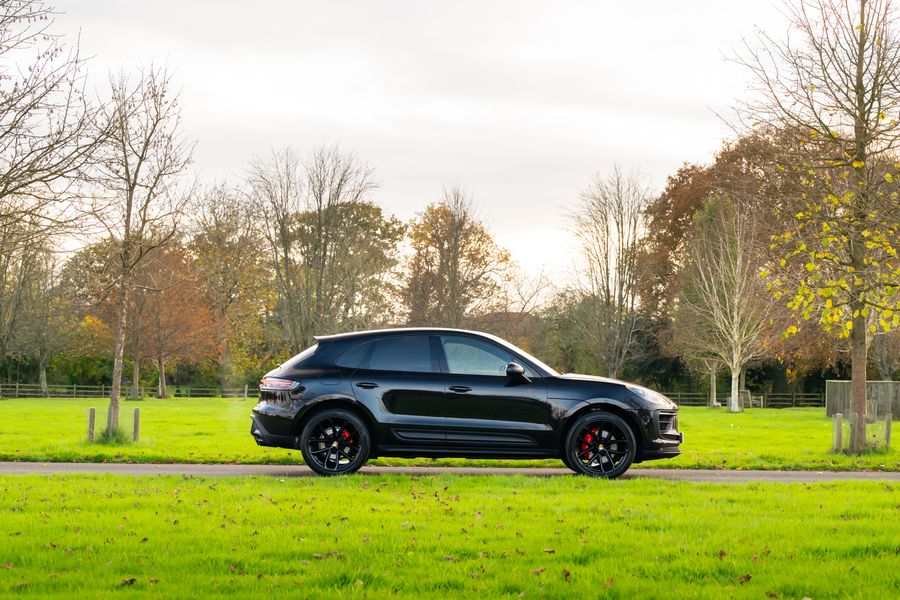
point(838, 434)
point(137, 424)
point(92, 414)
point(245, 391)
point(74, 390)
point(17, 389)
point(188, 392)
point(887, 430)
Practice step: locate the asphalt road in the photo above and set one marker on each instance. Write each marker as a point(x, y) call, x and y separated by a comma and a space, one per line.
point(695, 475)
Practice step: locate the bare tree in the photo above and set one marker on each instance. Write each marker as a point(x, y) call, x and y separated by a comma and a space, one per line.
point(46, 125)
point(139, 201)
point(330, 246)
point(722, 307)
point(608, 222)
point(834, 84)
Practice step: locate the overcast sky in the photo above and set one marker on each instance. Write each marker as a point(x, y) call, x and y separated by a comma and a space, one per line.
point(521, 103)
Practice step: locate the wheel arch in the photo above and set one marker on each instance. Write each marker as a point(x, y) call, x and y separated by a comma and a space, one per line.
point(343, 402)
point(610, 406)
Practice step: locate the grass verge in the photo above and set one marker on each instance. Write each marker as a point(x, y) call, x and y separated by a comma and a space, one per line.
point(217, 431)
point(478, 537)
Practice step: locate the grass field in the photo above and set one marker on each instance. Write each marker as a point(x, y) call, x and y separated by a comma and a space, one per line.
point(217, 430)
point(479, 537)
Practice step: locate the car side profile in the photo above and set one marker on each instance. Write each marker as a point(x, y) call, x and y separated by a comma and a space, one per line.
point(452, 393)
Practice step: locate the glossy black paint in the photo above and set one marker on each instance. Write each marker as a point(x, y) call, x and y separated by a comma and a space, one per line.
point(492, 412)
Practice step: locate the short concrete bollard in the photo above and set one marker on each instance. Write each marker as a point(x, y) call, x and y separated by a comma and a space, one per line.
point(837, 443)
point(92, 416)
point(887, 430)
point(137, 424)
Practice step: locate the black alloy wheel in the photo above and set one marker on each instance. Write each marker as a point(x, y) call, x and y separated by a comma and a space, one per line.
point(335, 442)
point(600, 444)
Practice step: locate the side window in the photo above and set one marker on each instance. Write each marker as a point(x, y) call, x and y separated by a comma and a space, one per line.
point(352, 359)
point(410, 353)
point(468, 356)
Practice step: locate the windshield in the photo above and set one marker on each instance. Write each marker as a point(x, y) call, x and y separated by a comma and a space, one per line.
point(536, 362)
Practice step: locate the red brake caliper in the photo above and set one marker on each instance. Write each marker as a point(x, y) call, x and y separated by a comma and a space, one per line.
point(345, 435)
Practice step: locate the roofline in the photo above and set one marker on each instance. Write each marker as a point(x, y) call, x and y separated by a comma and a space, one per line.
point(395, 330)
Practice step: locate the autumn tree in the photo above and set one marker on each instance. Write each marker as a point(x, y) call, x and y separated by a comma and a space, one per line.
point(138, 201)
point(229, 254)
point(608, 223)
point(834, 84)
point(722, 308)
point(178, 323)
point(455, 271)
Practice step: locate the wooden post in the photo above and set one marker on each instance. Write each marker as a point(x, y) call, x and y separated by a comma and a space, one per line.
point(92, 415)
point(245, 391)
point(838, 437)
point(74, 389)
point(137, 424)
point(887, 430)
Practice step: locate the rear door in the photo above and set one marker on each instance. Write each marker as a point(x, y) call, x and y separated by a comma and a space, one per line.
point(486, 410)
point(399, 380)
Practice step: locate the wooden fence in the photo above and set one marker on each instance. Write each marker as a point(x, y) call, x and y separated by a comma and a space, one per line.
point(33, 390)
point(773, 400)
point(882, 397)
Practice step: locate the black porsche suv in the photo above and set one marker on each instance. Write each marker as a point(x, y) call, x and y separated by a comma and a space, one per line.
point(447, 392)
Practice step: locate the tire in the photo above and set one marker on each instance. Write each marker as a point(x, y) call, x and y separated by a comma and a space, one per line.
point(335, 442)
point(600, 444)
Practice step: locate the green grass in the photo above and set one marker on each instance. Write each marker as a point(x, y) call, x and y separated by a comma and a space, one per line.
point(445, 536)
point(217, 430)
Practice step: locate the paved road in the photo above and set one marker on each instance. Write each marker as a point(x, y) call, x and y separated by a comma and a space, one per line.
point(24, 468)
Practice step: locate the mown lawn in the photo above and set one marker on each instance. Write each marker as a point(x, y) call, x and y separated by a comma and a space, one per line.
point(217, 430)
point(444, 535)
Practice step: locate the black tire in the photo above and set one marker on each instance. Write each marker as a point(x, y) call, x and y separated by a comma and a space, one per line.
point(335, 442)
point(600, 444)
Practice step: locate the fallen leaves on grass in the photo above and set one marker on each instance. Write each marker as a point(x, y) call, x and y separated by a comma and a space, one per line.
point(129, 581)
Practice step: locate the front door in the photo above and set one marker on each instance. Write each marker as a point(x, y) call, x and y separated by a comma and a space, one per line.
point(486, 410)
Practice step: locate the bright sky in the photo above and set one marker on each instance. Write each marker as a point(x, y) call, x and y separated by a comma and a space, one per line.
point(519, 102)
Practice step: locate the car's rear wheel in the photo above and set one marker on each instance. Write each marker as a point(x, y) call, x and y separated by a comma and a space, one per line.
point(335, 442)
point(600, 444)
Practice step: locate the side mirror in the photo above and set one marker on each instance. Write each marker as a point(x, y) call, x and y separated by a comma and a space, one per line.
point(515, 370)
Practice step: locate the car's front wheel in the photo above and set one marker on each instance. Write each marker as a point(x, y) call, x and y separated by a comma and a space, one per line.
point(335, 442)
point(600, 444)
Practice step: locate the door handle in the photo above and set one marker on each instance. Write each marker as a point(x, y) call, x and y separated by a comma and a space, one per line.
point(460, 388)
point(366, 385)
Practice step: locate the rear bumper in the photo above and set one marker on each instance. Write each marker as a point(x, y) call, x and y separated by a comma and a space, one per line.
point(263, 437)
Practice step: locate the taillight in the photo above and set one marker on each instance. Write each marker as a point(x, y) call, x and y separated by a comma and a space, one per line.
point(276, 384)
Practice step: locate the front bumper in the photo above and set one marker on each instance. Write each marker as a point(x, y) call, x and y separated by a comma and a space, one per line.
point(666, 439)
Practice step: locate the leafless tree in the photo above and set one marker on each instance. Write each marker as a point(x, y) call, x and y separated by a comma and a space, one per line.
point(834, 84)
point(139, 198)
point(722, 308)
point(46, 125)
point(330, 246)
point(608, 223)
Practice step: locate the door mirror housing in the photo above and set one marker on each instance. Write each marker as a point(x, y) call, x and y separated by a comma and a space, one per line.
point(515, 370)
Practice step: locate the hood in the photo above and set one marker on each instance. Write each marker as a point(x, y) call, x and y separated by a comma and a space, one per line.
point(580, 377)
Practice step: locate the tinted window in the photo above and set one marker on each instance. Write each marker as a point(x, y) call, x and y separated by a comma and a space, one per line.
point(469, 356)
point(353, 358)
point(401, 353)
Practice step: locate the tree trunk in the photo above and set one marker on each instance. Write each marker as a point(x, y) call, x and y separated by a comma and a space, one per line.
point(136, 378)
point(163, 391)
point(713, 400)
point(743, 381)
point(734, 404)
point(42, 374)
point(112, 415)
point(858, 360)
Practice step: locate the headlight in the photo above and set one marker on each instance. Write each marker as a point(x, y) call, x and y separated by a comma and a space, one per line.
point(650, 396)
